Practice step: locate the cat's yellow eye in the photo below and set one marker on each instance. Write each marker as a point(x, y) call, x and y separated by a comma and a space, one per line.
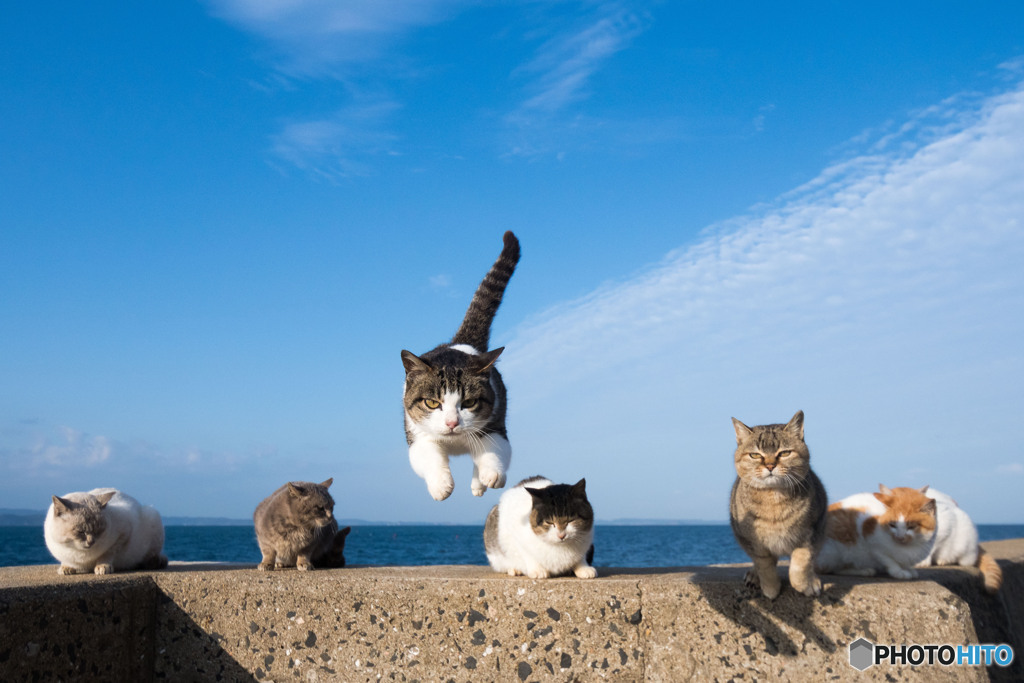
point(783, 454)
point(469, 403)
point(754, 456)
point(431, 403)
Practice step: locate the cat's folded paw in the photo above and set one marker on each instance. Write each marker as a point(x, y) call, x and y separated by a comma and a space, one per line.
point(266, 566)
point(537, 573)
point(65, 570)
point(514, 572)
point(440, 487)
point(104, 568)
point(492, 479)
point(901, 573)
point(303, 566)
point(585, 572)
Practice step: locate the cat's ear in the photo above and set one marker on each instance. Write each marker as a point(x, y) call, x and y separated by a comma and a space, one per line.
point(105, 498)
point(929, 507)
point(533, 492)
point(296, 491)
point(327, 484)
point(924, 489)
point(414, 363)
point(484, 361)
point(742, 430)
point(60, 506)
point(796, 425)
point(885, 489)
point(580, 488)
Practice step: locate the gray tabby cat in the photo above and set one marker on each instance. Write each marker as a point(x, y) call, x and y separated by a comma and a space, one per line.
point(778, 505)
point(295, 527)
point(454, 396)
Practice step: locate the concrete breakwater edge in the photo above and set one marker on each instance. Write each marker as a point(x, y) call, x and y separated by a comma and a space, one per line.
point(200, 622)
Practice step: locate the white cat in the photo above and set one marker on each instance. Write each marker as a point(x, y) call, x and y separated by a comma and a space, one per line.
point(541, 529)
point(103, 531)
point(956, 542)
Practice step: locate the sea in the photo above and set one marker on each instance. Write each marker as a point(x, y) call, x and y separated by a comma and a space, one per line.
point(409, 545)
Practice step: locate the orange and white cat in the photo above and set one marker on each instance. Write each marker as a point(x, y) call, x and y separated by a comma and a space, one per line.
point(889, 531)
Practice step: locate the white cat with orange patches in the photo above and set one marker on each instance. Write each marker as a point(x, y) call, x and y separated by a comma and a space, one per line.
point(889, 531)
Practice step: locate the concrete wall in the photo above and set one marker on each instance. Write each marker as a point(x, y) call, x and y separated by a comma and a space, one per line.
point(208, 622)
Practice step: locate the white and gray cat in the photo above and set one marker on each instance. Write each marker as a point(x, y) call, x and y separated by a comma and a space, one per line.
point(295, 527)
point(454, 397)
point(103, 531)
point(542, 529)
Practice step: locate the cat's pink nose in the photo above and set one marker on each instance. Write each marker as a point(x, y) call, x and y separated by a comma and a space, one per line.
point(452, 424)
point(561, 535)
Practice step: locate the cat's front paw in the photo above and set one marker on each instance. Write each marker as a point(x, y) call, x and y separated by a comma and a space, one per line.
point(104, 568)
point(440, 487)
point(303, 565)
point(812, 588)
point(901, 573)
point(585, 572)
point(538, 573)
point(266, 566)
point(492, 479)
point(66, 570)
point(514, 572)
point(477, 487)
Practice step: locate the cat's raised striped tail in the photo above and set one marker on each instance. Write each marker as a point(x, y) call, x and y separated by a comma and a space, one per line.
point(476, 326)
point(990, 571)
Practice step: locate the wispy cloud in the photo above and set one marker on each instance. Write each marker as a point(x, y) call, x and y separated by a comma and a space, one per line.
point(341, 145)
point(563, 66)
point(560, 74)
point(872, 239)
point(319, 37)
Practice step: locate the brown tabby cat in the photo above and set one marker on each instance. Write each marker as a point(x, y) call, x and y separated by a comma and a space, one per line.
point(295, 527)
point(778, 505)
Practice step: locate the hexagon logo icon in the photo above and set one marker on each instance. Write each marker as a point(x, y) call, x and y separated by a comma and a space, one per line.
point(862, 654)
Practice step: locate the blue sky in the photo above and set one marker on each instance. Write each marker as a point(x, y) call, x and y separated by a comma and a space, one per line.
point(222, 221)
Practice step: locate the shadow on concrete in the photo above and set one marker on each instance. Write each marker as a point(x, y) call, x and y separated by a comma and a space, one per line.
point(993, 619)
point(188, 652)
point(754, 613)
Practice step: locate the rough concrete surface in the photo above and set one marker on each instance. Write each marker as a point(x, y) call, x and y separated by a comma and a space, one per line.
point(196, 622)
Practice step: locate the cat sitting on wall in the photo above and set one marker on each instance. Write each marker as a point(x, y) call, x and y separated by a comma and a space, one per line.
point(777, 505)
point(103, 531)
point(454, 397)
point(541, 529)
point(295, 527)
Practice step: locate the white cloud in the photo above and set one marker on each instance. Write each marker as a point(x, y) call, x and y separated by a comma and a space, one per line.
point(872, 244)
point(338, 146)
point(559, 76)
point(565, 63)
point(315, 37)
